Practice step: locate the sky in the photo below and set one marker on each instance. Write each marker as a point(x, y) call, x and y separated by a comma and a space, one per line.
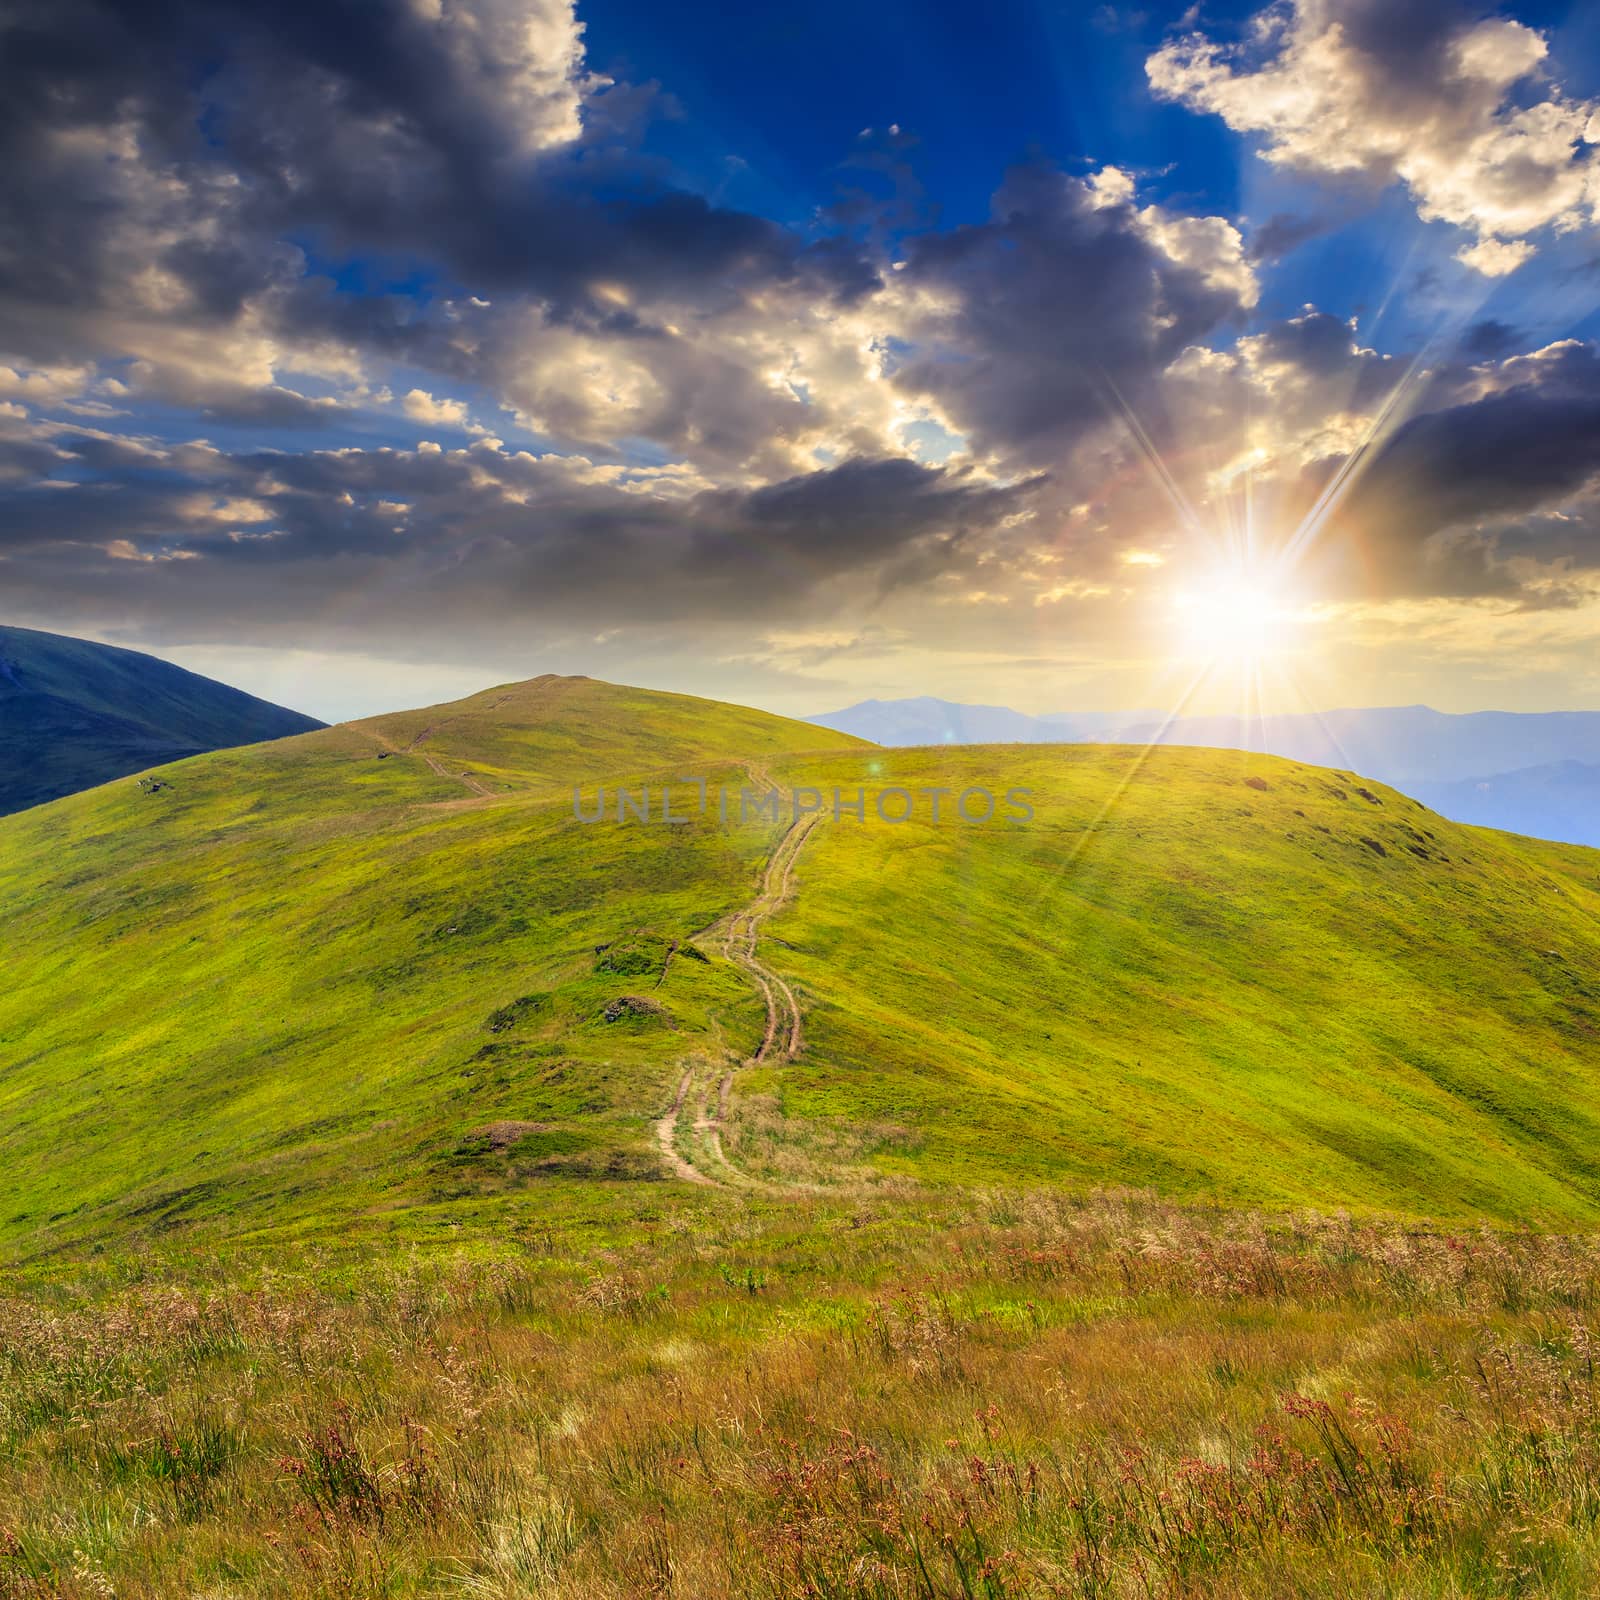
point(367, 352)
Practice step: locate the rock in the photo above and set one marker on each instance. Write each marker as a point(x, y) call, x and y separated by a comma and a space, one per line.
point(502, 1135)
point(633, 1005)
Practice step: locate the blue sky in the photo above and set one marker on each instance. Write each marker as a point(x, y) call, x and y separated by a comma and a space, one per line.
point(774, 99)
point(772, 103)
point(814, 355)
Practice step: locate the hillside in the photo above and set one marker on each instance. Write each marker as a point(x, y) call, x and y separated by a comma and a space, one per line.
point(1208, 973)
point(75, 714)
point(378, 975)
point(274, 987)
point(1525, 772)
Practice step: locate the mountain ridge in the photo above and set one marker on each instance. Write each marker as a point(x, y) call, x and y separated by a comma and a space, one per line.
point(1559, 800)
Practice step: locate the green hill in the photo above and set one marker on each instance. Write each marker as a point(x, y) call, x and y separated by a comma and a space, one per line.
point(1211, 973)
point(75, 714)
point(379, 975)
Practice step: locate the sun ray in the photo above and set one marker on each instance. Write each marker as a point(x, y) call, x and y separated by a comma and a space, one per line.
point(1134, 769)
point(1244, 614)
point(1151, 456)
point(1389, 418)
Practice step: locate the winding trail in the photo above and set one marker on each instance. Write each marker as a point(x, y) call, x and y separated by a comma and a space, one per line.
point(740, 933)
point(440, 770)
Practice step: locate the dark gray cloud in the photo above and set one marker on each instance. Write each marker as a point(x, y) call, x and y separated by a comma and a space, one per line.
point(1030, 325)
point(481, 532)
point(1324, 350)
point(159, 156)
point(1457, 490)
point(1284, 231)
point(1488, 340)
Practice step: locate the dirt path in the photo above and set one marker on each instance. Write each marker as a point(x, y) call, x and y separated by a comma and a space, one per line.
point(436, 766)
point(666, 966)
point(740, 934)
point(480, 791)
point(666, 1131)
point(743, 931)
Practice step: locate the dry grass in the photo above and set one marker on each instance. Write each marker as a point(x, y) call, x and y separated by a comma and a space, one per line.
point(1013, 1397)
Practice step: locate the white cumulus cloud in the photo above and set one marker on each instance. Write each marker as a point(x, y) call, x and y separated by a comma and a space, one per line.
point(1455, 107)
point(424, 407)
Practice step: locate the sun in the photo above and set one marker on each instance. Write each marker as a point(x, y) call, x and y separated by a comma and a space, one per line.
point(1235, 618)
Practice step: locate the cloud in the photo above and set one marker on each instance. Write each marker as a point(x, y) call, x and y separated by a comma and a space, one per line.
point(1030, 329)
point(423, 407)
point(333, 217)
point(497, 537)
point(524, 57)
point(45, 386)
point(1284, 232)
point(184, 180)
point(190, 187)
point(1428, 93)
point(1459, 491)
point(1476, 478)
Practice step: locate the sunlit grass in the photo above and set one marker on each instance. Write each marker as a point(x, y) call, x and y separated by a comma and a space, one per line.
point(1012, 1395)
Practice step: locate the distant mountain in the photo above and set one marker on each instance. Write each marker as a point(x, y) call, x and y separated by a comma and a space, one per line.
point(1402, 745)
point(1559, 801)
point(74, 715)
point(925, 720)
point(1543, 768)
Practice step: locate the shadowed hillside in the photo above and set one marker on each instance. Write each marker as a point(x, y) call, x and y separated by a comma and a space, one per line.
point(75, 714)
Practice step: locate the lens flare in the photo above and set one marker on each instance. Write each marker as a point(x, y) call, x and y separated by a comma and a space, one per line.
point(1235, 619)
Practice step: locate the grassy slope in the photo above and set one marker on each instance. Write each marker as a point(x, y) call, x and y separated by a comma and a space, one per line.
point(74, 714)
point(1208, 987)
point(269, 989)
point(268, 995)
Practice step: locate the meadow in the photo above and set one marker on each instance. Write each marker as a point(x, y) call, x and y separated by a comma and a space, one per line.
point(1180, 1190)
point(878, 1395)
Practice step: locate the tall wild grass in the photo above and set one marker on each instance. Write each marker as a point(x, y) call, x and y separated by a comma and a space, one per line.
point(1014, 1396)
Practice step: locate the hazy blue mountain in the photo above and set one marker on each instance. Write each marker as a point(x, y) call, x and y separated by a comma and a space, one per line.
point(1559, 801)
point(75, 714)
point(925, 720)
point(1543, 768)
point(1400, 745)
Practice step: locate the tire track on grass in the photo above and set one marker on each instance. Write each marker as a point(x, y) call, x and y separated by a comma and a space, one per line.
point(740, 935)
